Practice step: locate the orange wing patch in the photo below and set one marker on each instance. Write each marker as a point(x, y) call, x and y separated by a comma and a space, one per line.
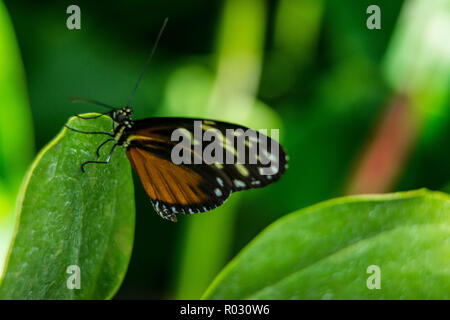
point(175, 188)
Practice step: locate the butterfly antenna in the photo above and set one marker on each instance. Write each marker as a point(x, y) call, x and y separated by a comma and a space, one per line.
point(148, 60)
point(91, 101)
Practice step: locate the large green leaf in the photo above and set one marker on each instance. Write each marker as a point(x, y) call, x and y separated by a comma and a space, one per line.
point(323, 252)
point(69, 218)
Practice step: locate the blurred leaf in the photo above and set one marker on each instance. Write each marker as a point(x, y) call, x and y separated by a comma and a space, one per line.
point(69, 218)
point(424, 77)
point(231, 97)
point(295, 36)
point(16, 132)
point(16, 153)
point(322, 252)
point(188, 90)
point(421, 29)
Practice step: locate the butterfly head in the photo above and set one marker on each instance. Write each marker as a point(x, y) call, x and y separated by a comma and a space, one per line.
point(123, 116)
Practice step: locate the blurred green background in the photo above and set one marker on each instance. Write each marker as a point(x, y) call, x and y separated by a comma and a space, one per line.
point(359, 110)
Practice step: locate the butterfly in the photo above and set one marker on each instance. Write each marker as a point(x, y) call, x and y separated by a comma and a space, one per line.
point(189, 187)
point(196, 185)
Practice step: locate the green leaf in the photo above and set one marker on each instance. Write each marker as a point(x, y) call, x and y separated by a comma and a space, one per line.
point(323, 251)
point(69, 218)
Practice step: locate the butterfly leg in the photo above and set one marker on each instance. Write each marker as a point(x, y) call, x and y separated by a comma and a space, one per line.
point(108, 159)
point(86, 132)
point(101, 145)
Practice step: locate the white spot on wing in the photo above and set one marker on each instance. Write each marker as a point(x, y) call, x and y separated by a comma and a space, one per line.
point(239, 183)
point(219, 181)
point(218, 192)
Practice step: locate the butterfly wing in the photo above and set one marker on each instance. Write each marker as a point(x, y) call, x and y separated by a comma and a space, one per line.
point(197, 187)
point(177, 188)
